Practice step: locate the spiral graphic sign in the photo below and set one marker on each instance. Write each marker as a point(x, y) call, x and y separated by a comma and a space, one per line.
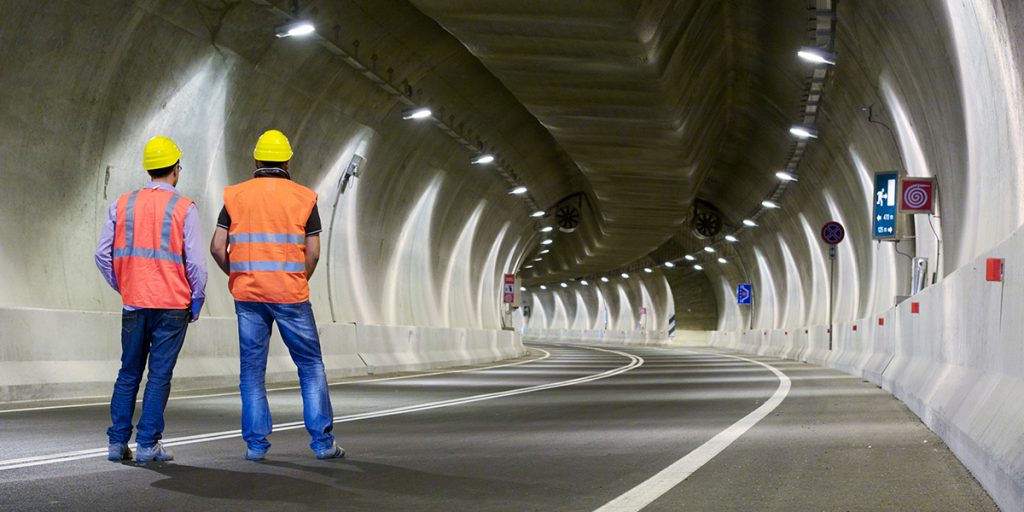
point(917, 195)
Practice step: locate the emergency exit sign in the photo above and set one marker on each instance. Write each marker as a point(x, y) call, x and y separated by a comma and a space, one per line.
point(883, 222)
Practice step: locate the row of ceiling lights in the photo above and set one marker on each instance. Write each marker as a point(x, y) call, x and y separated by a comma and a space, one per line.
point(810, 54)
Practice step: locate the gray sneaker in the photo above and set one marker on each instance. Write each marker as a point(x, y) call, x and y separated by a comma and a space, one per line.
point(334, 452)
point(155, 453)
point(118, 452)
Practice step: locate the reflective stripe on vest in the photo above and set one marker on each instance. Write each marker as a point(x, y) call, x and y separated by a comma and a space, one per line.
point(149, 267)
point(268, 266)
point(268, 238)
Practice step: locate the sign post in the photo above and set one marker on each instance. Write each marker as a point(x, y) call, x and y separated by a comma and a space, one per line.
point(832, 233)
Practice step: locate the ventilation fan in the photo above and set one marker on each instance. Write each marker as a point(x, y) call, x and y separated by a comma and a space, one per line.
point(568, 218)
point(706, 222)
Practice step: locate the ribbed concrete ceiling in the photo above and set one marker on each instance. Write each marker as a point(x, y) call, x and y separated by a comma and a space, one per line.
point(649, 98)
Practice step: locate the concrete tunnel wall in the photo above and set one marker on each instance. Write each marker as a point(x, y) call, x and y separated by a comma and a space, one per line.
point(420, 239)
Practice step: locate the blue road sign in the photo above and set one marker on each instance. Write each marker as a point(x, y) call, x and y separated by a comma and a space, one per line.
point(883, 221)
point(744, 293)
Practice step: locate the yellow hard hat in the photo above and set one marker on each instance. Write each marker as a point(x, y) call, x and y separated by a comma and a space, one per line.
point(273, 146)
point(160, 152)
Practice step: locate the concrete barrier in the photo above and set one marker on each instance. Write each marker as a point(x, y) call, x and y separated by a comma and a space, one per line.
point(55, 354)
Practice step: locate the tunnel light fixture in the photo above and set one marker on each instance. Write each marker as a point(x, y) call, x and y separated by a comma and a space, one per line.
point(522, 288)
point(669, 264)
point(528, 266)
point(545, 251)
point(625, 275)
point(816, 55)
point(749, 223)
point(416, 113)
point(518, 191)
point(804, 132)
point(542, 287)
point(604, 279)
point(770, 204)
point(547, 229)
point(547, 241)
point(786, 176)
point(689, 257)
point(294, 29)
point(648, 270)
point(482, 159)
point(564, 285)
point(584, 283)
point(698, 267)
point(730, 238)
point(722, 260)
point(537, 214)
point(709, 249)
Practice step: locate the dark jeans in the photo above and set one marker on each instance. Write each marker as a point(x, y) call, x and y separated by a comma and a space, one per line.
point(298, 330)
point(156, 334)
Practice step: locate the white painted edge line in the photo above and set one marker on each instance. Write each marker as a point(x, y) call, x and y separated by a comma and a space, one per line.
point(290, 388)
point(41, 460)
point(665, 480)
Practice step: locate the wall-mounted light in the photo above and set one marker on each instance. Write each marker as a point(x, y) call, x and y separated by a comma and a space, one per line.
point(722, 260)
point(749, 223)
point(416, 113)
point(625, 275)
point(785, 176)
point(520, 190)
point(698, 267)
point(604, 279)
point(769, 204)
point(730, 238)
point(481, 159)
point(545, 251)
point(294, 29)
point(584, 283)
point(689, 257)
point(564, 285)
point(537, 214)
point(542, 287)
point(522, 288)
point(816, 55)
point(709, 249)
point(547, 242)
point(547, 229)
point(669, 264)
point(804, 132)
point(538, 259)
point(528, 266)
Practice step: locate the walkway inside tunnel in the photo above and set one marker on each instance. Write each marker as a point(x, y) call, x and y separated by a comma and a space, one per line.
point(565, 428)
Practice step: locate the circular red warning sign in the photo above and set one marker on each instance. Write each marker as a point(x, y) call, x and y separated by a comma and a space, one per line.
point(833, 232)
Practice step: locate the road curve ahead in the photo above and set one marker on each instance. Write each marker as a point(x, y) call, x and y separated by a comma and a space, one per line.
point(573, 428)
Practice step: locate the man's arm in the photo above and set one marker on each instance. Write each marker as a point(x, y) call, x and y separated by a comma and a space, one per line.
point(105, 249)
point(219, 249)
point(195, 261)
point(312, 254)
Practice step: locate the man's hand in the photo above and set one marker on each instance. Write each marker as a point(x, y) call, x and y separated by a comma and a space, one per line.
point(312, 254)
point(197, 307)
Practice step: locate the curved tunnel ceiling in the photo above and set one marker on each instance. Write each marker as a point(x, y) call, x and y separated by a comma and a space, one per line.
point(658, 103)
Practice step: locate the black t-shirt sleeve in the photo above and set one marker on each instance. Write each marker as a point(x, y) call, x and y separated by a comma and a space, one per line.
point(313, 223)
point(224, 220)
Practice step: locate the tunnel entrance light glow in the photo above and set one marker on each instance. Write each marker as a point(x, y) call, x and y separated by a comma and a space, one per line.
point(625, 275)
point(416, 113)
point(604, 279)
point(749, 223)
point(769, 204)
point(518, 191)
point(296, 28)
point(698, 267)
point(547, 229)
point(804, 132)
point(537, 214)
point(689, 257)
point(548, 242)
point(730, 238)
point(482, 159)
point(709, 249)
point(648, 270)
point(722, 260)
point(816, 55)
point(785, 176)
point(669, 264)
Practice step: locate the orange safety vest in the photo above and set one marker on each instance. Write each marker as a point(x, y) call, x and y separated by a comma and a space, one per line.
point(149, 248)
point(267, 240)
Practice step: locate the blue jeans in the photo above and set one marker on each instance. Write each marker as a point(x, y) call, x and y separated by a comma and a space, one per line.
point(298, 330)
point(156, 334)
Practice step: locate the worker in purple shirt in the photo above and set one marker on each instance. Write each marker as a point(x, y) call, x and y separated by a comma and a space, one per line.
point(149, 252)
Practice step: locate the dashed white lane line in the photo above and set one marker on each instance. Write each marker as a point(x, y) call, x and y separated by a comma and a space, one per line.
point(290, 388)
point(654, 487)
point(635, 362)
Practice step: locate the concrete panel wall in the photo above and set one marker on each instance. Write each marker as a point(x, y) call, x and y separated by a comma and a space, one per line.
point(616, 305)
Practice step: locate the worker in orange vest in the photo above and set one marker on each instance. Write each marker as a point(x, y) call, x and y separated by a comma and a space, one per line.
point(267, 241)
point(149, 252)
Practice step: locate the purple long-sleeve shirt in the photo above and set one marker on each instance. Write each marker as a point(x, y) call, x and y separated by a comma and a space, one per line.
point(195, 258)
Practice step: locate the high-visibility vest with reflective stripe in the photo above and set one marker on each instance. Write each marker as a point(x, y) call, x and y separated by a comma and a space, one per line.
point(267, 240)
point(149, 248)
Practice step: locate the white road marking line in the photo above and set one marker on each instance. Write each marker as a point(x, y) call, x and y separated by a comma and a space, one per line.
point(635, 362)
point(653, 488)
point(288, 388)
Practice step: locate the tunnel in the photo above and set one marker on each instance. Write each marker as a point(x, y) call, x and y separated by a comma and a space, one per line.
point(610, 255)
